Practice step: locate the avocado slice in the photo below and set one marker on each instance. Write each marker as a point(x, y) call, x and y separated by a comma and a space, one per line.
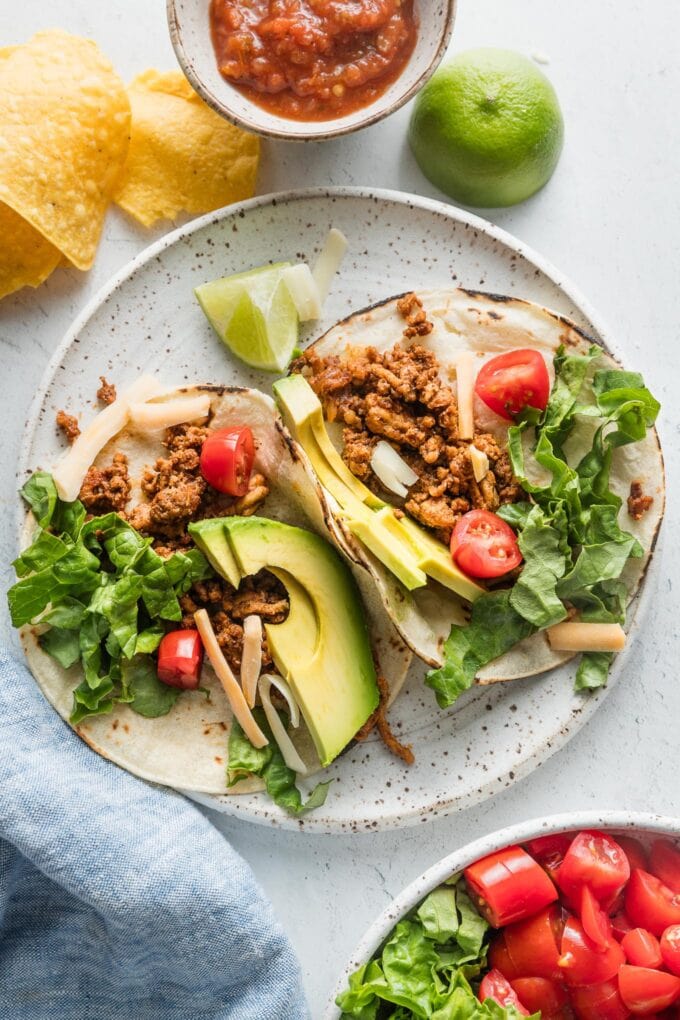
point(210, 537)
point(322, 648)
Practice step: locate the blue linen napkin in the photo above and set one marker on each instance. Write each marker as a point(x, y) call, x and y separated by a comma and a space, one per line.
point(119, 901)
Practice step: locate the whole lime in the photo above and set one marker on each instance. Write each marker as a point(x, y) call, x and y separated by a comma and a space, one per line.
point(487, 128)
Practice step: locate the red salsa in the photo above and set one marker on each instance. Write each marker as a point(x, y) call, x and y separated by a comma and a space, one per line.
point(312, 59)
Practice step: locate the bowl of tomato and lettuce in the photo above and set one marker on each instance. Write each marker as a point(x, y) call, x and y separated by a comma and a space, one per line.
point(572, 918)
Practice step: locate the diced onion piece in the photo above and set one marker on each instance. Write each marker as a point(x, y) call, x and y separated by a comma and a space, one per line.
point(286, 746)
point(232, 690)
point(70, 471)
point(576, 636)
point(328, 262)
point(480, 463)
point(391, 469)
point(285, 692)
point(465, 375)
point(251, 657)
point(303, 291)
point(164, 414)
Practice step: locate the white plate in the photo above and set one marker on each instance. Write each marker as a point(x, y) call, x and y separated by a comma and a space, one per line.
point(147, 320)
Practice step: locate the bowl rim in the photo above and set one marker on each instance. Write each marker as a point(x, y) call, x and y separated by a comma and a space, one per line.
point(608, 820)
point(300, 135)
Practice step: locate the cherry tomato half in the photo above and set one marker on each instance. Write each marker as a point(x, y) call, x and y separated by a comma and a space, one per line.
point(537, 993)
point(510, 382)
point(582, 963)
point(646, 991)
point(599, 1002)
point(650, 904)
point(483, 545)
point(596, 924)
point(642, 948)
point(665, 863)
point(531, 948)
point(494, 986)
point(180, 657)
point(670, 948)
point(634, 851)
point(227, 460)
point(509, 886)
point(549, 851)
point(595, 860)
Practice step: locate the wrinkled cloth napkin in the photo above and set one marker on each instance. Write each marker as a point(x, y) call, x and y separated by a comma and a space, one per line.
point(118, 900)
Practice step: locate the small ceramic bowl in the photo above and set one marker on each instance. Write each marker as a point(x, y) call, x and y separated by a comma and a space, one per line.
point(644, 827)
point(189, 23)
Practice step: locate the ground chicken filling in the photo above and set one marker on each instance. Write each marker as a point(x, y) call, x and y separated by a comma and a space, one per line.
point(399, 396)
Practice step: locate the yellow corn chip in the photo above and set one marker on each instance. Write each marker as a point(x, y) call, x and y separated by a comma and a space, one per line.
point(64, 130)
point(182, 156)
point(26, 257)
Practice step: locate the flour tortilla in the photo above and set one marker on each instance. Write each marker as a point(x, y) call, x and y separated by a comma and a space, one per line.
point(187, 748)
point(488, 325)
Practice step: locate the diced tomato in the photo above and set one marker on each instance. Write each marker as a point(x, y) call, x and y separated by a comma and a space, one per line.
point(596, 924)
point(650, 904)
point(620, 925)
point(581, 962)
point(599, 1002)
point(596, 860)
point(180, 657)
point(499, 957)
point(634, 851)
point(483, 545)
point(538, 993)
point(646, 991)
point(509, 885)
point(494, 986)
point(549, 851)
point(510, 382)
point(533, 946)
point(665, 863)
point(670, 948)
point(227, 460)
point(642, 948)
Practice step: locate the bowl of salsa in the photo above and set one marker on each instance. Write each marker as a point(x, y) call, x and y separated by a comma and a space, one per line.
point(308, 69)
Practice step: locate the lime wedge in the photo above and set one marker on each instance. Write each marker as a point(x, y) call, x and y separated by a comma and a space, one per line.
point(254, 315)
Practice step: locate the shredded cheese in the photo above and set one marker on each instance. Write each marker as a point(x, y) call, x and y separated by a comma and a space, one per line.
point(328, 262)
point(576, 636)
point(251, 657)
point(303, 291)
point(70, 471)
point(232, 690)
point(480, 463)
point(465, 376)
point(166, 413)
point(391, 469)
point(279, 732)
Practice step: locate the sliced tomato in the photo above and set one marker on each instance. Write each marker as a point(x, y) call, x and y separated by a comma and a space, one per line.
point(581, 962)
point(227, 460)
point(596, 860)
point(634, 851)
point(510, 382)
point(596, 924)
point(650, 904)
point(180, 658)
point(646, 991)
point(599, 1002)
point(483, 545)
point(670, 948)
point(508, 886)
point(549, 851)
point(541, 994)
point(533, 946)
point(642, 949)
point(494, 986)
point(620, 925)
point(499, 957)
point(665, 863)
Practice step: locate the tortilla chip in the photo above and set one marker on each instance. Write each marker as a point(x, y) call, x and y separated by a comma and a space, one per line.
point(183, 156)
point(64, 130)
point(27, 257)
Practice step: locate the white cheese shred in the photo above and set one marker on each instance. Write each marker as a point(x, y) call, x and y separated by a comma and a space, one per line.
point(279, 732)
point(303, 291)
point(329, 261)
point(576, 636)
point(391, 469)
point(164, 414)
point(480, 463)
point(466, 375)
point(251, 657)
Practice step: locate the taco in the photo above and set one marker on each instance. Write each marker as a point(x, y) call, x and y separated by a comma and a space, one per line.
point(499, 430)
point(142, 537)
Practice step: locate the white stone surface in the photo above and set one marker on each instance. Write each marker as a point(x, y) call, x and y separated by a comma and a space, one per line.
point(610, 220)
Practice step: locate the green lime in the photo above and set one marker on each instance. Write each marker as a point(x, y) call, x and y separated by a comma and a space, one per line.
point(487, 128)
point(254, 315)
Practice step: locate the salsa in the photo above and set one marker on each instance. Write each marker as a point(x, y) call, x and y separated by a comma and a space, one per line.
point(312, 59)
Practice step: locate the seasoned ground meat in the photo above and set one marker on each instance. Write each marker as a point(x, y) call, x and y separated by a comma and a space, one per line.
point(68, 423)
point(400, 396)
point(106, 392)
point(106, 490)
point(638, 503)
point(417, 324)
point(262, 595)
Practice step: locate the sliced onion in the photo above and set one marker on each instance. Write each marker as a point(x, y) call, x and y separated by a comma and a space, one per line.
point(303, 291)
point(166, 413)
point(480, 463)
point(391, 469)
point(328, 262)
point(251, 658)
point(286, 746)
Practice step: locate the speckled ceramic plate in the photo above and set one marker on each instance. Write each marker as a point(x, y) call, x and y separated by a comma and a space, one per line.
point(147, 320)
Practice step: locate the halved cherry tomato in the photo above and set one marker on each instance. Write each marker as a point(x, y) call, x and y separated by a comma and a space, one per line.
point(596, 924)
point(596, 860)
point(510, 382)
point(665, 863)
point(620, 925)
point(483, 545)
point(670, 948)
point(180, 657)
point(533, 946)
point(538, 993)
point(227, 460)
point(549, 851)
point(634, 851)
point(650, 904)
point(646, 991)
point(581, 962)
point(599, 1002)
point(508, 886)
point(494, 986)
point(642, 948)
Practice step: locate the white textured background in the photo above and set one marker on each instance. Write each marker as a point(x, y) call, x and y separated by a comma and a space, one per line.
point(610, 219)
